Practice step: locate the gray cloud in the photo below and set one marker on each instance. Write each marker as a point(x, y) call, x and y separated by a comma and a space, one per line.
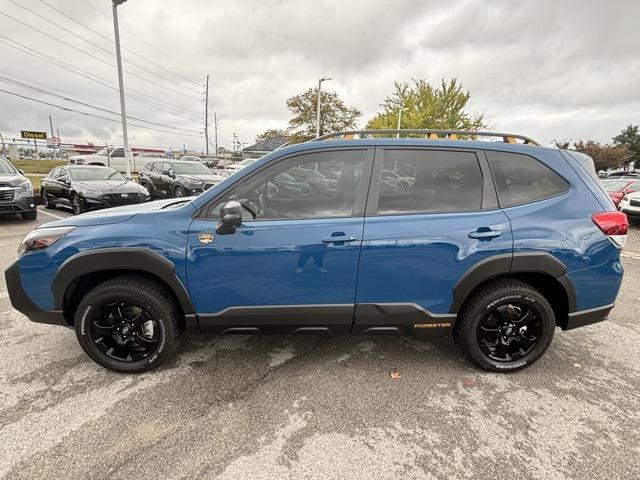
point(549, 69)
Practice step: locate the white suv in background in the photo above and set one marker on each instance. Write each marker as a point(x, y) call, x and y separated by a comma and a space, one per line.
point(630, 205)
point(112, 157)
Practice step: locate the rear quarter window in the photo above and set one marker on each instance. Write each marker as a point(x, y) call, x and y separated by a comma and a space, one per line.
point(523, 179)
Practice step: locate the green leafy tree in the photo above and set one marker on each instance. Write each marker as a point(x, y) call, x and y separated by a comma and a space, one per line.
point(604, 156)
point(270, 133)
point(427, 107)
point(335, 115)
point(630, 138)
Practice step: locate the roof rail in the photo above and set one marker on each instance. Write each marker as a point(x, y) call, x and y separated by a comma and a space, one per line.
point(429, 134)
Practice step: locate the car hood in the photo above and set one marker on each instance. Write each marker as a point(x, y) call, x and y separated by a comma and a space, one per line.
point(120, 214)
point(11, 180)
point(108, 186)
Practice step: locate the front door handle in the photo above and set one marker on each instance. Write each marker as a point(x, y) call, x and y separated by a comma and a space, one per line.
point(339, 238)
point(485, 233)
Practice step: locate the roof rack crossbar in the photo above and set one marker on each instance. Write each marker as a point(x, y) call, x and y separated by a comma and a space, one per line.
point(430, 134)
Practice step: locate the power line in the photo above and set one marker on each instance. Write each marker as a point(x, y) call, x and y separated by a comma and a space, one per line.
point(102, 109)
point(159, 104)
point(97, 58)
point(123, 47)
point(67, 109)
point(131, 32)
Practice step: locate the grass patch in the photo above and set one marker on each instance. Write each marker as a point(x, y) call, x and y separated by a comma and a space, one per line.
point(37, 166)
point(35, 181)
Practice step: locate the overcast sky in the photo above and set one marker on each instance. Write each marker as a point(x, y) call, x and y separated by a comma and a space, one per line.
point(550, 69)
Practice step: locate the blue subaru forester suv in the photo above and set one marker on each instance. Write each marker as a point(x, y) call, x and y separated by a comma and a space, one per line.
point(496, 243)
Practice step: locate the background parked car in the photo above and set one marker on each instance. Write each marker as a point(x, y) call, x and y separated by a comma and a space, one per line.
point(240, 165)
point(617, 189)
point(89, 187)
point(630, 205)
point(16, 192)
point(176, 178)
point(114, 157)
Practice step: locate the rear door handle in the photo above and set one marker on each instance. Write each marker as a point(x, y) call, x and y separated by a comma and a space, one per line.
point(339, 238)
point(485, 233)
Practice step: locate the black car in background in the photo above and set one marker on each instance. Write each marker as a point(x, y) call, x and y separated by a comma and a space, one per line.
point(89, 187)
point(176, 178)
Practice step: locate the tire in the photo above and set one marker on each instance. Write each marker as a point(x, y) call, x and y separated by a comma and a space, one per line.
point(500, 309)
point(129, 290)
point(45, 200)
point(634, 221)
point(29, 215)
point(77, 205)
point(178, 192)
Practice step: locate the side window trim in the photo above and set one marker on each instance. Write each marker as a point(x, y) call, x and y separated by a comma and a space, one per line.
point(361, 191)
point(489, 199)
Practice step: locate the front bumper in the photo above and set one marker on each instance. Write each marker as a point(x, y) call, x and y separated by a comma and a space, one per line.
point(113, 200)
point(630, 211)
point(18, 205)
point(21, 301)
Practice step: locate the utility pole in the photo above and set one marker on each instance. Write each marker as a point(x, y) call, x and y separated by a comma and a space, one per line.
point(215, 133)
point(51, 125)
point(400, 110)
point(206, 115)
point(2, 140)
point(127, 150)
point(323, 79)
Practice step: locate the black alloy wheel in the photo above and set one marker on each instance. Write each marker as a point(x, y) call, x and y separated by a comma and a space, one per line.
point(128, 324)
point(46, 202)
point(509, 331)
point(124, 331)
point(505, 326)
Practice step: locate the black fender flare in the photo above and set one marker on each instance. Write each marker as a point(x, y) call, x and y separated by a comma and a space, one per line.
point(504, 264)
point(123, 258)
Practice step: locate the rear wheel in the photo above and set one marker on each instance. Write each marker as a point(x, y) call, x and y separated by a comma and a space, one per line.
point(634, 221)
point(505, 326)
point(128, 324)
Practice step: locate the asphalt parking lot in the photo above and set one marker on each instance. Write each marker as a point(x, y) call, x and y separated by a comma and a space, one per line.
point(326, 408)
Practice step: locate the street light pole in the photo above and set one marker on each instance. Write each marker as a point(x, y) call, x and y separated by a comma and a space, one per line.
point(400, 110)
point(323, 79)
point(125, 139)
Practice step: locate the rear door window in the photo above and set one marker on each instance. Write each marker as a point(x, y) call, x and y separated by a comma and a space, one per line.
point(429, 181)
point(523, 179)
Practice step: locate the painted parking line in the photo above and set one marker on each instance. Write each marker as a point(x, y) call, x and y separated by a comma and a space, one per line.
point(51, 214)
point(633, 255)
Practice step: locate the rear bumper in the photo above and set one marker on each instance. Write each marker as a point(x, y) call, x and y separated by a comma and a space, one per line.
point(588, 317)
point(21, 301)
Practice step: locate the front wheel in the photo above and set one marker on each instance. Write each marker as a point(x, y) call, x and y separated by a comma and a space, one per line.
point(46, 201)
point(179, 192)
point(505, 326)
point(128, 324)
point(77, 205)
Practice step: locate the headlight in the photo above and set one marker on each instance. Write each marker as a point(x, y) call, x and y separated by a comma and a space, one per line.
point(41, 238)
point(90, 193)
point(26, 185)
point(193, 182)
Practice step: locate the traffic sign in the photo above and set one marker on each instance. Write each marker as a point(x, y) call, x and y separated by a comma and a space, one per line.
point(33, 135)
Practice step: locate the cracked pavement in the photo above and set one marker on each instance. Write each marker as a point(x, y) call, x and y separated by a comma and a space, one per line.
point(243, 407)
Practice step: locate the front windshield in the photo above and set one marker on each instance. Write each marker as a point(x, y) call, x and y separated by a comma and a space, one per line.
point(189, 168)
point(87, 174)
point(104, 152)
point(5, 167)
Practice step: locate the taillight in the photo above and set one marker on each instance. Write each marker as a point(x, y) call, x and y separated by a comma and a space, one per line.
point(613, 225)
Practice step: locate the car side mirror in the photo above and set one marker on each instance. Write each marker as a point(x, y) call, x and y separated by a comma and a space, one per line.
point(21, 172)
point(230, 217)
point(166, 172)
